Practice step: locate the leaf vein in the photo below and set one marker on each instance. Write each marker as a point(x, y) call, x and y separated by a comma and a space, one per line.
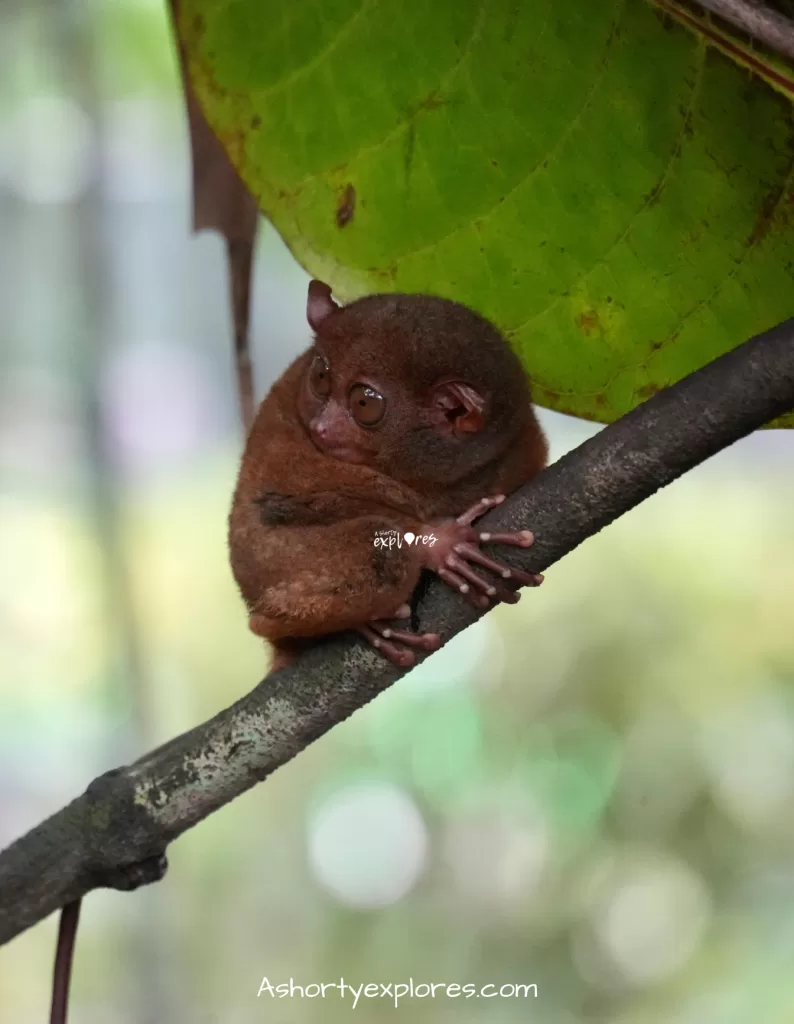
point(405, 122)
point(538, 166)
point(674, 154)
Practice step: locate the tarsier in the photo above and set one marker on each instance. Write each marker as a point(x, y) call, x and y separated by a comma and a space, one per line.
point(407, 418)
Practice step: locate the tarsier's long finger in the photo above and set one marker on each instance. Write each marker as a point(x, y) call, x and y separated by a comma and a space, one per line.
point(473, 554)
point(495, 590)
point(458, 583)
point(480, 509)
point(456, 563)
point(521, 539)
point(506, 594)
point(427, 641)
point(395, 652)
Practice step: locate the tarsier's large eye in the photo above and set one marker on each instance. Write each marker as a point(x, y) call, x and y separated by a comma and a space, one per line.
point(367, 405)
point(320, 377)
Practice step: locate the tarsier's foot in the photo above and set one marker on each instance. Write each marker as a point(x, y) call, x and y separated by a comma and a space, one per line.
point(396, 644)
point(457, 550)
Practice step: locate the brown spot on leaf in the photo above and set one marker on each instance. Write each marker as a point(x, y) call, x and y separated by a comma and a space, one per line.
point(786, 213)
point(346, 206)
point(588, 321)
point(765, 218)
point(647, 391)
point(432, 101)
point(387, 273)
point(256, 121)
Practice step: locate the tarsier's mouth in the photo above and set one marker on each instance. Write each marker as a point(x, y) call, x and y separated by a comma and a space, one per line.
point(344, 453)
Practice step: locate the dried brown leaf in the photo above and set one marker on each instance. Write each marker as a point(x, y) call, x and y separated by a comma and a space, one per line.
point(222, 203)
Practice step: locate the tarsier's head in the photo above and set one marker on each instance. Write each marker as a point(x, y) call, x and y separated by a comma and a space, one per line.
point(419, 387)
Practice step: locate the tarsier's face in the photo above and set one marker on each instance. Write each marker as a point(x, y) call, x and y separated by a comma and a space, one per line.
point(362, 400)
point(346, 414)
point(358, 412)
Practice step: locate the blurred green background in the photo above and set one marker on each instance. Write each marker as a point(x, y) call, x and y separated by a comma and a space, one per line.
point(591, 792)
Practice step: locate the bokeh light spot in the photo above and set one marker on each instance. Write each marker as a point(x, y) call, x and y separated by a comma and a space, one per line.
point(368, 844)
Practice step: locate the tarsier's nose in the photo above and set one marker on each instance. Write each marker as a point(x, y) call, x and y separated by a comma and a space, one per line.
point(321, 429)
point(329, 425)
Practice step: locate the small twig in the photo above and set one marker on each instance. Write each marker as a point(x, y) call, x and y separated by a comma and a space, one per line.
point(761, 22)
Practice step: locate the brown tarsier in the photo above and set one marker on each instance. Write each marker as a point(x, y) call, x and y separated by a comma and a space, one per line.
point(368, 463)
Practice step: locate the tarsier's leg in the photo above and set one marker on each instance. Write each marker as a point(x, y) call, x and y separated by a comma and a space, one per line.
point(312, 581)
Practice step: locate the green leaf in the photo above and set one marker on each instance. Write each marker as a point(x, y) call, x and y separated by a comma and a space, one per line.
point(612, 185)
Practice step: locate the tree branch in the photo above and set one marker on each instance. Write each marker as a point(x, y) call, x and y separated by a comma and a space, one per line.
point(127, 817)
point(758, 20)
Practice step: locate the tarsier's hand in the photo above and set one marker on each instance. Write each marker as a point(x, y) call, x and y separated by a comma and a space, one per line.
point(457, 551)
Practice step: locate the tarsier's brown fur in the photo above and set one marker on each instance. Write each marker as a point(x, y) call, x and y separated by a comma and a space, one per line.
point(459, 425)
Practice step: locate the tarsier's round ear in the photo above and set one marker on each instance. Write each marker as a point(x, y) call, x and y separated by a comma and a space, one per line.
point(459, 408)
point(319, 303)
